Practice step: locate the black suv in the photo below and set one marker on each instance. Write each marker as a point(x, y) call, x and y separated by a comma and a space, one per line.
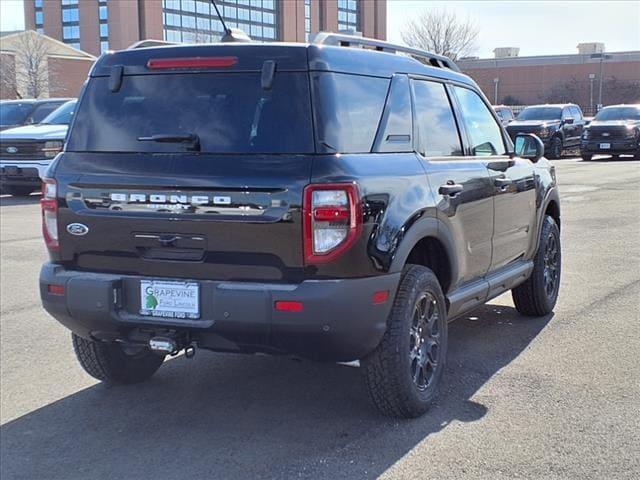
point(328, 202)
point(558, 126)
point(614, 131)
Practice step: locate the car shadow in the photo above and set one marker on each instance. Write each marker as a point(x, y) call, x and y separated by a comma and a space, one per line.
point(9, 200)
point(225, 416)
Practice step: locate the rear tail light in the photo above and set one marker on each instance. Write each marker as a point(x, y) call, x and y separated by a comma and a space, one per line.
point(49, 204)
point(332, 220)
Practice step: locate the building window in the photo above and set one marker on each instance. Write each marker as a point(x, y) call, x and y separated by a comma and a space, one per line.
point(103, 16)
point(196, 21)
point(71, 23)
point(307, 20)
point(39, 16)
point(349, 15)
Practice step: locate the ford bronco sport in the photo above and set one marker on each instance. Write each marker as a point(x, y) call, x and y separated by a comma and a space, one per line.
point(318, 200)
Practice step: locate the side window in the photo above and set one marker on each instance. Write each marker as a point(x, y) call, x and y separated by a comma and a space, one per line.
point(396, 128)
point(577, 113)
point(42, 111)
point(566, 113)
point(437, 130)
point(484, 133)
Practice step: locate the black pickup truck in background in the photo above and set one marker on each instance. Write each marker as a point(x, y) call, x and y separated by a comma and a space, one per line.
point(558, 126)
point(614, 131)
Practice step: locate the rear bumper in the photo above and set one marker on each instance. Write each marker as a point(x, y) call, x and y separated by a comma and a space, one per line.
point(27, 173)
point(339, 321)
point(629, 147)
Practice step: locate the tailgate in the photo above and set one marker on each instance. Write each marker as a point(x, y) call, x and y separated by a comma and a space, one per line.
point(220, 217)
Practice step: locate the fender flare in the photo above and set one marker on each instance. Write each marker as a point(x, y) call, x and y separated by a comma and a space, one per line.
point(422, 228)
point(551, 196)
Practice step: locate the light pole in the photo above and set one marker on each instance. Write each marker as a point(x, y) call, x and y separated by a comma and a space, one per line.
point(602, 57)
point(592, 77)
point(496, 81)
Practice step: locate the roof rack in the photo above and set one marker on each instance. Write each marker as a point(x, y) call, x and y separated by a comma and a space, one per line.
point(342, 40)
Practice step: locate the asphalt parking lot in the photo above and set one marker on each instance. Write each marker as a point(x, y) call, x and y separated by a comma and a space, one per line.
point(553, 397)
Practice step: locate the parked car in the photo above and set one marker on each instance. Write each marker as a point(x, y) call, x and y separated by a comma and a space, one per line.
point(14, 113)
point(558, 126)
point(505, 114)
point(26, 152)
point(276, 198)
point(614, 131)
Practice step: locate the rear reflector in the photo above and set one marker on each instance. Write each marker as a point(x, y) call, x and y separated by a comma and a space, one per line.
point(380, 297)
point(54, 289)
point(191, 62)
point(289, 306)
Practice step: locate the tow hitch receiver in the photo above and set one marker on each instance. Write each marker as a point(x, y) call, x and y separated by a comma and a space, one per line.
point(163, 345)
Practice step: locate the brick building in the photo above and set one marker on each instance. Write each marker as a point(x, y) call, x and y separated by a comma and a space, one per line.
point(510, 79)
point(61, 69)
point(98, 25)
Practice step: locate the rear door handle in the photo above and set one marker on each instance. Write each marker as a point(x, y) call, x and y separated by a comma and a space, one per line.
point(451, 189)
point(502, 182)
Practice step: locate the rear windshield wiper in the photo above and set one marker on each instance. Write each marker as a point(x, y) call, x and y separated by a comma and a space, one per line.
point(192, 139)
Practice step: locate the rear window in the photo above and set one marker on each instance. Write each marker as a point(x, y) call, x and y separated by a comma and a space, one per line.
point(228, 112)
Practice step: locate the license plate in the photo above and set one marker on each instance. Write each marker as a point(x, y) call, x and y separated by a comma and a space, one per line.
point(605, 146)
point(170, 299)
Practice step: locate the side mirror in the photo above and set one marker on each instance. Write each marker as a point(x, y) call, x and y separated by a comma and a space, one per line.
point(568, 121)
point(528, 145)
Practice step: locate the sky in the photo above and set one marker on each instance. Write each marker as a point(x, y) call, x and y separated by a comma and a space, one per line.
point(537, 27)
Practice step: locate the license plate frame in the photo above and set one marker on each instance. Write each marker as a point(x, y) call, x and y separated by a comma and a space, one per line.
point(605, 146)
point(170, 299)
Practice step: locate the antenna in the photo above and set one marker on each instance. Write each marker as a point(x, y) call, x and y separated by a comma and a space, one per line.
point(224, 25)
point(230, 34)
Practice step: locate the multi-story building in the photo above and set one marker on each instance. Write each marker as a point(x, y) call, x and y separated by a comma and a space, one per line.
point(588, 78)
point(98, 25)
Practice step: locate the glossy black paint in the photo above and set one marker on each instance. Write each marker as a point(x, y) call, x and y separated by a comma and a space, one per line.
point(485, 212)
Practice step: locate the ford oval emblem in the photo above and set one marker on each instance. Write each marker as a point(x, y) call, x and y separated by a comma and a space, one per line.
point(12, 150)
point(77, 229)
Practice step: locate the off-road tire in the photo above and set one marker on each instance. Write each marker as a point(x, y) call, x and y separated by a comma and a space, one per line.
point(18, 191)
point(555, 148)
point(109, 363)
point(585, 157)
point(389, 369)
point(533, 298)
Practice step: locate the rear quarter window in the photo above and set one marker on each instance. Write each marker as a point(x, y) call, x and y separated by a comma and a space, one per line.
point(347, 111)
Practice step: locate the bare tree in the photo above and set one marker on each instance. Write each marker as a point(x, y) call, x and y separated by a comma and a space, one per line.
point(8, 87)
point(442, 32)
point(31, 67)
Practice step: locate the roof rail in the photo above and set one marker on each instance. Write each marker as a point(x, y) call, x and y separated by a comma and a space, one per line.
point(342, 40)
